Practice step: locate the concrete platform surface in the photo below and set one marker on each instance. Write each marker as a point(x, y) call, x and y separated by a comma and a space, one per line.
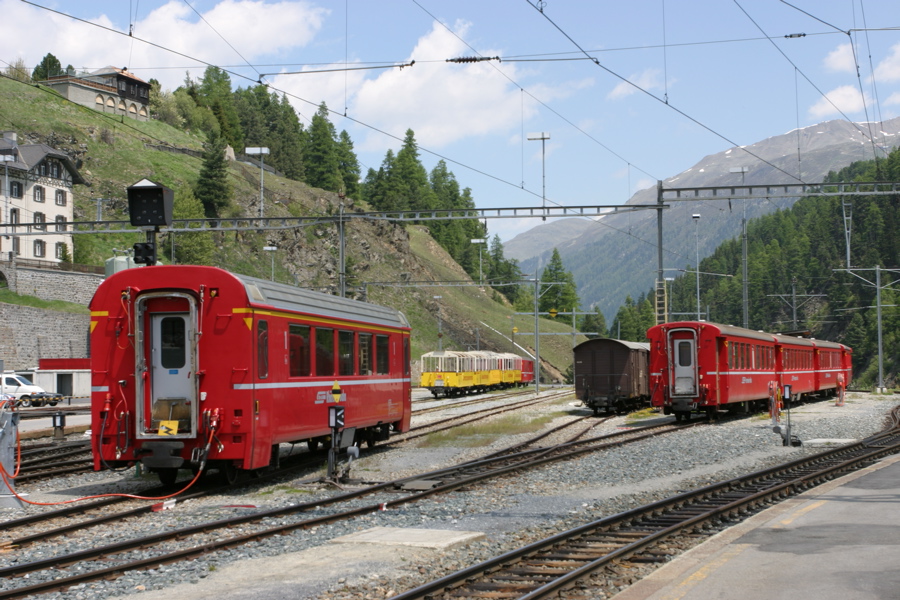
point(437, 539)
point(839, 541)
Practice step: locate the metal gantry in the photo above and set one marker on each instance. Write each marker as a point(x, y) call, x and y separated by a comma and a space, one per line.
point(665, 196)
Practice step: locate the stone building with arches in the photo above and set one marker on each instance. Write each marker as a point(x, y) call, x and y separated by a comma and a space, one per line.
point(109, 90)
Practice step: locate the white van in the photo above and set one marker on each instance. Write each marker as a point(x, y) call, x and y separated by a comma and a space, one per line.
point(23, 391)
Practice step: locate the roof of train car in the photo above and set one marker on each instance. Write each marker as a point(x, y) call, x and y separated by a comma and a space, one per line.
point(759, 335)
point(278, 295)
point(288, 297)
point(631, 345)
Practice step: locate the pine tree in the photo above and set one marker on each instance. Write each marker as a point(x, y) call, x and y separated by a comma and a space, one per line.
point(48, 67)
point(559, 292)
point(348, 166)
point(323, 168)
point(594, 325)
point(213, 189)
point(190, 248)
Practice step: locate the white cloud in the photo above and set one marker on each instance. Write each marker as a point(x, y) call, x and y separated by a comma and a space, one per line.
point(253, 27)
point(893, 99)
point(442, 102)
point(840, 60)
point(888, 70)
point(649, 79)
point(845, 99)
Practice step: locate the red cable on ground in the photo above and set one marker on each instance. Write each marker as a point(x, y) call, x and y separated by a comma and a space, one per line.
point(6, 477)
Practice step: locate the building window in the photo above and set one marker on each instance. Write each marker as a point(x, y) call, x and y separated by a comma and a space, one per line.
point(60, 249)
point(16, 246)
point(40, 248)
point(61, 197)
point(39, 221)
point(38, 193)
point(54, 169)
point(122, 86)
point(60, 223)
point(14, 216)
point(15, 189)
point(42, 168)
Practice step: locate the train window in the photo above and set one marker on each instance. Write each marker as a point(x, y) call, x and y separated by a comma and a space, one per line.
point(685, 358)
point(298, 348)
point(324, 351)
point(345, 353)
point(262, 349)
point(172, 339)
point(382, 354)
point(365, 355)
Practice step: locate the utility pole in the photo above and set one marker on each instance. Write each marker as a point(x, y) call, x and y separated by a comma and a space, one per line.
point(878, 287)
point(793, 303)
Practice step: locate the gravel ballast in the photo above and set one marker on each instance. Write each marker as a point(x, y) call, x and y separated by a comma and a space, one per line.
point(511, 512)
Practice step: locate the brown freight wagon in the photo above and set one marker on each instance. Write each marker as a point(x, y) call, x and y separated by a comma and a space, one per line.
point(611, 375)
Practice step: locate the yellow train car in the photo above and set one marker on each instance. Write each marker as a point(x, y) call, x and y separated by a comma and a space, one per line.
point(450, 373)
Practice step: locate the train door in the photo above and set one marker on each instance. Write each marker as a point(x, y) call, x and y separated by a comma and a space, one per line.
point(166, 367)
point(683, 362)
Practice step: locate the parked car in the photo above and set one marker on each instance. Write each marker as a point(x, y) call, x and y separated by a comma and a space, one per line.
point(42, 398)
point(25, 393)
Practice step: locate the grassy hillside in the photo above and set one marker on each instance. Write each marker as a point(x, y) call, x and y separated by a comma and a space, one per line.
point(114, 152)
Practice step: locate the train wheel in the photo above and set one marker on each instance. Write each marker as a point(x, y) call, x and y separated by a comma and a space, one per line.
point(167, 476)
point(229, 472)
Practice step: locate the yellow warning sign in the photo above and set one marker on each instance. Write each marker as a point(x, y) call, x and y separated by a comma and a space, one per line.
point(168, 427)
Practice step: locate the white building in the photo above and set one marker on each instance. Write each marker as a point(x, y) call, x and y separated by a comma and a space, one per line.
point(37, 199)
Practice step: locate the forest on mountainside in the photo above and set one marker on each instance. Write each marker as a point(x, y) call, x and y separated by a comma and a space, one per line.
point(797, 261)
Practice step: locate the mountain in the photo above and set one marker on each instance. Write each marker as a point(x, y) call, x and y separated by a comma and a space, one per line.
point(546, 237)
point(616, 256)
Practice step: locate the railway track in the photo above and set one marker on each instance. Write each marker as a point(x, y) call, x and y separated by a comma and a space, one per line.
point(50, 574)
point(42, 461)
point(577, 562)
point(37, 465)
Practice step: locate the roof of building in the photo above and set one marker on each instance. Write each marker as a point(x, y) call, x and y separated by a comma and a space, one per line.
point(117, 71)
point(31, 155)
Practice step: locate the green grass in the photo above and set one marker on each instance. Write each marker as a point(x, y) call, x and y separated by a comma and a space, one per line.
point(644, 413)
point(483, 434)
point(8, 297)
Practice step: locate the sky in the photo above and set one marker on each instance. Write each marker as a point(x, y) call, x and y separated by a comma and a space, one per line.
point(628, 92)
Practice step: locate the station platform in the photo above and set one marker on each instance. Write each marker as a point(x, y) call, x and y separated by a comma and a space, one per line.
point(838, 541)
point(30, 429)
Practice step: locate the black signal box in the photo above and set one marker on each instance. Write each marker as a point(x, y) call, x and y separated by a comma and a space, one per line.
point(150, 204)
point(145, 253)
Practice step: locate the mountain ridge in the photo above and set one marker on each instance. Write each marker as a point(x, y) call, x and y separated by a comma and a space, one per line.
point(617, 258)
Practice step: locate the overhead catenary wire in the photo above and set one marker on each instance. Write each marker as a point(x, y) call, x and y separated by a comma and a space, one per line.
point(657, 98)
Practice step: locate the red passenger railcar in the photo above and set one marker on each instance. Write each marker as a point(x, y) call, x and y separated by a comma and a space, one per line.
point(192, 364)
point(527, 371)
point(704, 366)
